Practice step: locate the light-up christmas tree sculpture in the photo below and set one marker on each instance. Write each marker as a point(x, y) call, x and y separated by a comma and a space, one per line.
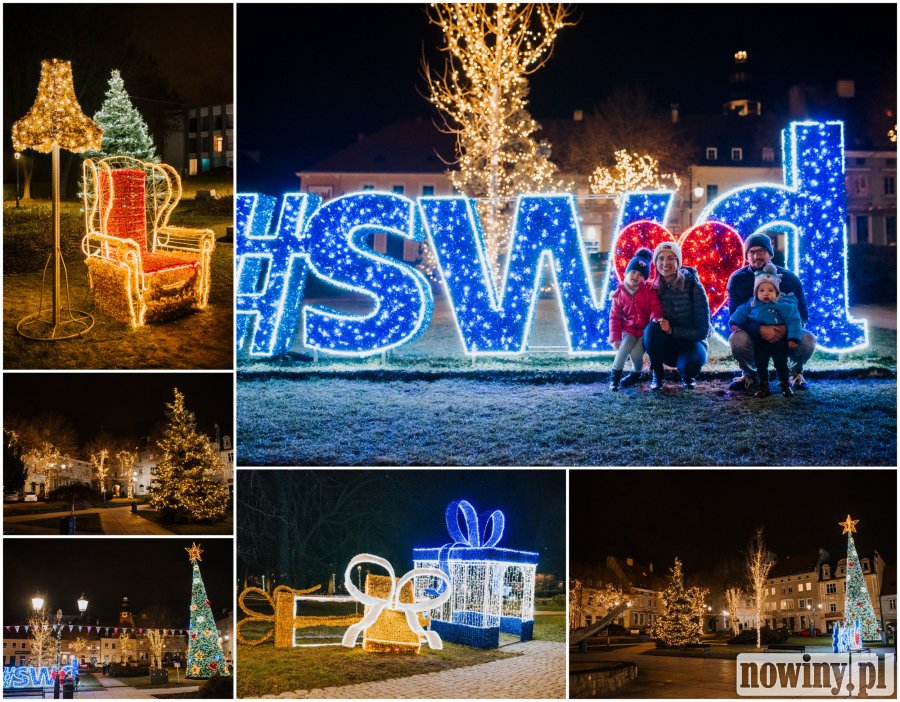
point(204, 656)
point(125, 133)
point(857, 603)
point(681, 620)
point(186, 484)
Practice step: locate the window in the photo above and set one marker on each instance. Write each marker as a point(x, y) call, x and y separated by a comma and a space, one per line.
point(399, 188)
point(14, 644)
point(890, 230)
point(427, 190)
point(368, 186)
point(192, 124)
point(865, 565)
point(860, 161)
point(892, 603)
point(218, 144)
point(737, 153)
point(712, 192)
point(712, 153)
point(861, 184)
point(862, 229)
point(890, 183)
point(231, 458)
point(890, 162)
point(790, 589)
point(831, 588)
point(832, 607)
point(768, 153)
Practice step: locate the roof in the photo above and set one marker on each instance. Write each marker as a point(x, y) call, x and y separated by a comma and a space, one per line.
point(409, 146)
point(794, 564)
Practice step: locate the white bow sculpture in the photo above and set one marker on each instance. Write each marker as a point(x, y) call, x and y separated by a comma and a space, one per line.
point(376, 605)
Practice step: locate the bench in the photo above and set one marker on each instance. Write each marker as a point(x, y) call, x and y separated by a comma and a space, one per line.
point(23, 692)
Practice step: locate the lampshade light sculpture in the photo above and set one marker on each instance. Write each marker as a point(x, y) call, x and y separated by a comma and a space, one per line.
point(391, 623)
point(492, 588)
point(55, 121)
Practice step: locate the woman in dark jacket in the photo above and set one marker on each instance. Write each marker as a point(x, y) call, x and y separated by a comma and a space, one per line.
point(680, 338)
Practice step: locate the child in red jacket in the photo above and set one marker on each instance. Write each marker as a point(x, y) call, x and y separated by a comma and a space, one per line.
point(634, 305)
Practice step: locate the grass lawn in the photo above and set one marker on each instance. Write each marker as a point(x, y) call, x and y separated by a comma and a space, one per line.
point(550, 627)
point(202, 339)
point(84, 523)
point(426, 404)
point(264, 670)
point(226, 526)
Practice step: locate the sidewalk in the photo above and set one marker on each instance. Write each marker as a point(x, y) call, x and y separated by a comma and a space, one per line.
point(114, 520)
point(540, 672)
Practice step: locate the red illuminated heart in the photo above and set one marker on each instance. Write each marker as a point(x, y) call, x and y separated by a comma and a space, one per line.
point(714, 249)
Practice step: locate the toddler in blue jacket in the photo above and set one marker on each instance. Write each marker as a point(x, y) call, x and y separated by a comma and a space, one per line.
point(769, 306)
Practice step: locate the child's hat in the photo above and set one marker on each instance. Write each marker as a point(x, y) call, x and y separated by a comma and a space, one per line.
point(640, 263)
point(767, 274)
point(668, 246)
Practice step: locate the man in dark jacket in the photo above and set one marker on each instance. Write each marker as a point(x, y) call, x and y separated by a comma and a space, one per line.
point(758, 252)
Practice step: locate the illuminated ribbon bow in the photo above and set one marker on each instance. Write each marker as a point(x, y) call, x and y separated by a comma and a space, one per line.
point(254, 616)
point(474, 537)
point(377, 605)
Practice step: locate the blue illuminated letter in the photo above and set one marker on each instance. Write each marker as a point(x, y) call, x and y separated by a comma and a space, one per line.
point(403, 298)
point(545, 230)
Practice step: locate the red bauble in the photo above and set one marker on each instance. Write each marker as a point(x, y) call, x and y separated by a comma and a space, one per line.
point(213, 666)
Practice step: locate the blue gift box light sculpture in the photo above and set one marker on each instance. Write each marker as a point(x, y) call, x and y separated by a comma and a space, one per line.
point(493, 588)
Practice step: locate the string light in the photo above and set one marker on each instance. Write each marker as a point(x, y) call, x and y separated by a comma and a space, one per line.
point(204, 656)
point(680, 620)
point(631, 172)
point(546, 234)
point(858, 610)
point(391, 621)
point(141, 268)
point(493, 588)
point(16, 677)
point(812, 204)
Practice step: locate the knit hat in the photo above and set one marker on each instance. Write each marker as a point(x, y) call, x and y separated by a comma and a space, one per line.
point(668, 246)
point(762, 240)
point(768, 274)
point(640, 263)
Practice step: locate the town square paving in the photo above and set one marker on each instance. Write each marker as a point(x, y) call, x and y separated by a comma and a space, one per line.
point(540, 672)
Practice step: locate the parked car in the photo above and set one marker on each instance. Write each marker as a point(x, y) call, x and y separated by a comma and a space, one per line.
point(31, 497)
point(13, 496)
point(808, 632)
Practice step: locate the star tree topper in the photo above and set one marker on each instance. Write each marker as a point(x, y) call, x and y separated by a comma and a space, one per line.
point(194, 552)
point(849, 525)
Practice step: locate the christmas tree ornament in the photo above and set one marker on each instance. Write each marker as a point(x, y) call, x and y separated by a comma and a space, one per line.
point(492, 587)
point(55, 121)
point(391, 622)
point(857, 603)
point(204, 656)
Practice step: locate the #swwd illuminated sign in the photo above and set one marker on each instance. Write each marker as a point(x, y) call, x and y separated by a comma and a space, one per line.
point(328, 241)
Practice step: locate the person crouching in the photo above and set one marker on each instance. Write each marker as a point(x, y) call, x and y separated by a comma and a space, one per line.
point(769, 306)
point(634, 305)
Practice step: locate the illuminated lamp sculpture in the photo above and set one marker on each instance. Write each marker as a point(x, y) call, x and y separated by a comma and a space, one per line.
point(493, 588)
point(393, 620)
point(55, 121)
point(142, 269)
point(287, 624)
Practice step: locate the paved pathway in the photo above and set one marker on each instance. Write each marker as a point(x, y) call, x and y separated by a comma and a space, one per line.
point(114, 520)
point(669, 676)
point(539, 673)
point(114, 689)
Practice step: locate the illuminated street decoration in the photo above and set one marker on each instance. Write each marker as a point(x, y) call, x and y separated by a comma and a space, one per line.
point(271, 270)
point(287, 626)
point(857, 601)
point(391, 622)
point(495, 317)
point(546, 234)
point(16, 677)
point(493, 588)
point(846, 638)
point(812, 204)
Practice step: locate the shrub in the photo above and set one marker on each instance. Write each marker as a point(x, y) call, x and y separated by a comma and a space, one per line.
point(118, 670)
point(78, 492)
point(769, 636)
point(218, 687)
point(28, 237)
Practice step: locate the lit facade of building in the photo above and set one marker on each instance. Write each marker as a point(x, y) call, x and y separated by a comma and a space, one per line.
point(200, 139)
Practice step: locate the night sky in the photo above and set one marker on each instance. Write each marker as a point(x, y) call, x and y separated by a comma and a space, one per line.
point(311, 77)
point(409, 508)
point(122, 404)
point(705, 516)
point(150, 572)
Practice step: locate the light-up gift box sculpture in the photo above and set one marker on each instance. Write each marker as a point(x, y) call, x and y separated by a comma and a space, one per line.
point(492, 588)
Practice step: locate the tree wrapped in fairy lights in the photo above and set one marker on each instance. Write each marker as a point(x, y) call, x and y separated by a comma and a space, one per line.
point(482, 93)
point(204, 656)
point(187, 485)
point(857, 603)
point(125, 133)
point(680, 621)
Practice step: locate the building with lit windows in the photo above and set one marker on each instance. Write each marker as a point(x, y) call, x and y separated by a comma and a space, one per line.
point(41, 480)
point(200, 139)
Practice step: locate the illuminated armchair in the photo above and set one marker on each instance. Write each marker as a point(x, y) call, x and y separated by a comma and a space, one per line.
point(141, 269)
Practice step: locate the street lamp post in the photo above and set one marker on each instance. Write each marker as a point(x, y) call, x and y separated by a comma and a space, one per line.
point(18, 155)
point(59, 616)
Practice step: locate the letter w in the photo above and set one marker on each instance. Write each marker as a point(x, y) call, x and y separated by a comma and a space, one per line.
point(545, 230)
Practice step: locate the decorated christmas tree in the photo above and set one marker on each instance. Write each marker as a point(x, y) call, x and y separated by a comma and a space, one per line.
point(204, 656)
point(857, 604)
point(125, 133)
point(680, 621)
point(187, 487)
